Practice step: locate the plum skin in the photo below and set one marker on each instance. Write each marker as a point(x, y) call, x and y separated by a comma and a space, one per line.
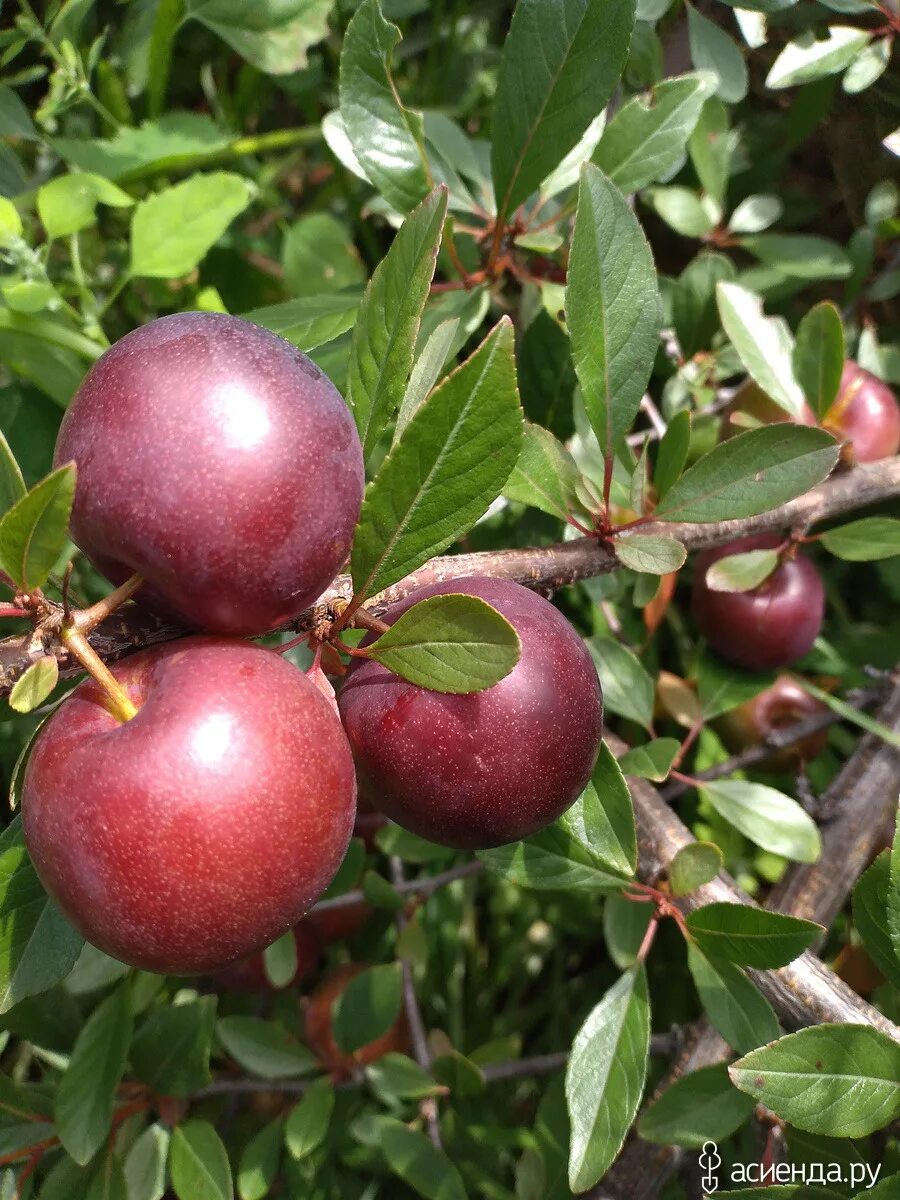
point(206, 826)
point(218, 462)
point(474, 771)
point(771, 626)
point(783, 704)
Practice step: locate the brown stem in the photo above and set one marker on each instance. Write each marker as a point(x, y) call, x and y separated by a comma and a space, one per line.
point(118, 701)
point(365, 620)
point(87, 619)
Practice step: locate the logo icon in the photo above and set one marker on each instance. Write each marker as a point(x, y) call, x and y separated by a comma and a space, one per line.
point(710, 1160)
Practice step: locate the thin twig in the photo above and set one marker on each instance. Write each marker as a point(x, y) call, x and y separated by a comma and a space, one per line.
point(423, 886)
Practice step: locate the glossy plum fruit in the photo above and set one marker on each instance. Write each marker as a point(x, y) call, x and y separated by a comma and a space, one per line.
point(479, 770)
point(780, 706)
point(771, 626)
point(219, 463)
point(319, 1028)
point(865, 416)
point(202, 829)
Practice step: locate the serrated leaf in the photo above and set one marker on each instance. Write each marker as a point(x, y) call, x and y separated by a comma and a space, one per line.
point(308, 1120)
point(452, 461)
point(693, 866)
point(652, 760)
point(733, 1003)
point(33, 687)
point(87, 1090)
point(699, 1107)
point(768, 817)
point(764, 345)
point(870, 916)
point(198, 1162)
point(265, 1049)
point(750, 474)
point(649, 553)
point(646, 138)
point(612, 307)
point(865, 540)
point(387, 138)
point(807, 57)
point(741, 572)
point(449, 643)
point(750, 937)
point(259, 1163)
point(384, 337)
point(367, 1007)
point(171, 1049)
point(545, 475)
point(310, 321)
point(836, 1080)
point(605, 1077)
point(427, 370)
point(602, 819)
point(819, 356)
point(68, 203)
point(627, 688)
point(38, 947)
point(172, 230)
point(672, 453)
point(561, 60)
point(33, 532)
point(713, 50)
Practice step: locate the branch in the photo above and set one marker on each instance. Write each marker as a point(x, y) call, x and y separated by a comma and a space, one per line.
point(541, 567)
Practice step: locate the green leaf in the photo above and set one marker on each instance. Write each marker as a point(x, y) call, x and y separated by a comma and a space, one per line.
point(308, 1120)
point(865, 540)
point(711, 147)
point(893, 898)
point(722, 687)
point(319, 257)
point(713, 50)
point(605, 1077)
point(69, 202)
point(684, 210)
point(396, 1077)
point(561, 61)
point(260, 1162)
point(755, 213)
point(171, 1050)
point(449, 643)
point(310, 321)
point(199, 1164)
point(652, 760)
point(750, 937)
point(387, 138)
point(672, 453)
point(800, 255)
point(108, 1182)
point(273, 35)
point(15, 119)
point(562, 857)
point(176, 141)
point(851, 714)
point(741, 572)
point(280, 960)
point(870, 916)
point(451, 462)
point(145, 1164)
point(33, 532)
point(602, 818)
point(870, 64)
point(694, 309)
point(750, 474)
point(733, 1003)
point(693, 866)
point(650, 553)
point(627, 688)
point(545, 475)
point(264, 1048)
point(646, 138)
point(173, 229)
point(368, 1007)
point(624, 926)
point(87, 1090)
point(612, 307)
point(33, 687)
point(763, 344)
point(699, 1107)
point(38, 947)
point(768, 817)
point(819, 356)
point(422, 1166)
point(381, 353)
point(12, 485)
point(837, 1080)
point(428, 369)
point(808, 57)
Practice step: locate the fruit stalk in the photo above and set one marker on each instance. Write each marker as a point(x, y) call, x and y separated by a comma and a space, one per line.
point(118, 701)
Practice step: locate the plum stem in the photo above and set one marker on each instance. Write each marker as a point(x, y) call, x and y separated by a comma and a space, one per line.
point(118, 701)
point(88, 619)
point(365, 620)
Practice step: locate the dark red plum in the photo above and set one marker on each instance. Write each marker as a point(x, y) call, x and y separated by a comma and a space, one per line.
point(206, 826)
point(780, 706)
point(479, 770)
point(218, 462)
point(865, 416)
point(771, 626)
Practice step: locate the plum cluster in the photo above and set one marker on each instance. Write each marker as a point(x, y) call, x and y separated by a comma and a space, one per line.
point(216, 462)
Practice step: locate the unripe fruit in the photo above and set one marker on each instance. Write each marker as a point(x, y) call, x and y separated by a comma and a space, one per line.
point(249, 974)
point(865, 415)
point(479, 770)
point(771, 626)
point(219, 463)
point(320, 1029)
point(780, 706)
point(206, 826)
